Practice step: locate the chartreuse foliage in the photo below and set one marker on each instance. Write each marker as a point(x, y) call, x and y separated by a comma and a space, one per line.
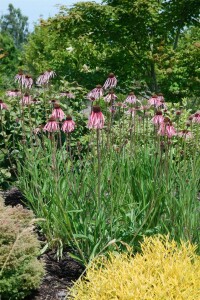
point(164, 270)
point(20, 271)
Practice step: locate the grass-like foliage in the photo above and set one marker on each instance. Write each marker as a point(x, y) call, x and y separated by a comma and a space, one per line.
point(140, 191)
point(163, 270)
point(20, 271)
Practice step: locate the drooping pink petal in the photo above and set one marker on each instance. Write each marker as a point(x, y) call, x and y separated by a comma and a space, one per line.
point(58, 113)
point(68, 125)
point(111, 82)
point(96, 119)
point(51, 126)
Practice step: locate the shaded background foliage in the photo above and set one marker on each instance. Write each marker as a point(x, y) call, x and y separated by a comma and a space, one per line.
point(150, 45)
point(13, 35)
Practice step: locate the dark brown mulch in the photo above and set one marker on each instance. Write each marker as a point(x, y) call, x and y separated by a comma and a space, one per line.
point(60, 275)
point(13, 197)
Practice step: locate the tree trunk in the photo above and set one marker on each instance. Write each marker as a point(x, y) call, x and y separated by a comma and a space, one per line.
point(154, 86)
point(176, 38)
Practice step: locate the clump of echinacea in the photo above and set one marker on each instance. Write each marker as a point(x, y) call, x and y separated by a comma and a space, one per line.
point(67, 94)
point(131, 111)
point(158, 118)
point(112, 109)
point(110, 97)
point(13, 93)
point(38, 129)
point(53, 101)
point(96, 93)
point(131, 98)
point(52, 125)
point(58, 113)
point(96, 119)
point(28, 81)
point(68, 125)
point(45, 77)
point(196, 117)
point(26, 99)
point(166, 128)
point(185, 134)
point(161, 97)
point(25, 81)
point(110, 82)
point(20, 78)
point(36, 101)
point(3, 106)
point(155, 101)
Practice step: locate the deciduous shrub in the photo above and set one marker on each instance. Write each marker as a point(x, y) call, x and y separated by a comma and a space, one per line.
point(20, 270)
point(163, 270)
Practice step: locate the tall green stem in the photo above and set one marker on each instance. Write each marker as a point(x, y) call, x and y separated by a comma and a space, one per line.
point(99, 166)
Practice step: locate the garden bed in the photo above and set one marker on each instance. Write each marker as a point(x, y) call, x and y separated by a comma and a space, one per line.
point(60, 275)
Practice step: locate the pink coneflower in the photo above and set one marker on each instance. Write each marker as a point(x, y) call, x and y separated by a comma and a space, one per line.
point(196, 117)
point(158, 118)
point(39, 81)
point(96, 119)
point(68, 125)
point(144, 107)
point(26, 100)
point(3, 105)
point(13, 93)
point(138, 107)
point(48, 75)
point(118, 104)
point(96, 93)
point(45, 77)
point(111, 81)
point(166, 128)
point(161, 98)
point(161, 101)
point(51, 126)
point(185, 134)
point(20, 77)
point(110, 97)
point(92, 99)
point(67, 94)
point(131, 98)
point(154, 101)
point(124, 105)
point(131, 111)
point(178, 112)
point(35, 101)
point(112, 109)
point(28, 82)
point(53, 101)
point(36, 130)
point(58, 113)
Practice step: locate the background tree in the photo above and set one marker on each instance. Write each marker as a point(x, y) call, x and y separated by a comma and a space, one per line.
point(9, 61)
point(15, 24)
point(149, 44)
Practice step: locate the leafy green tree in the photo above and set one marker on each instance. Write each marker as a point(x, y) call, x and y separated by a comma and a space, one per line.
point(15, 24)
point(9, 60)
point(143, 42)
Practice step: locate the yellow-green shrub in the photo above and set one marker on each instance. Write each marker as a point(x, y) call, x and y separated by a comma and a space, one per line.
point(20, 271)
point(163, 271)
